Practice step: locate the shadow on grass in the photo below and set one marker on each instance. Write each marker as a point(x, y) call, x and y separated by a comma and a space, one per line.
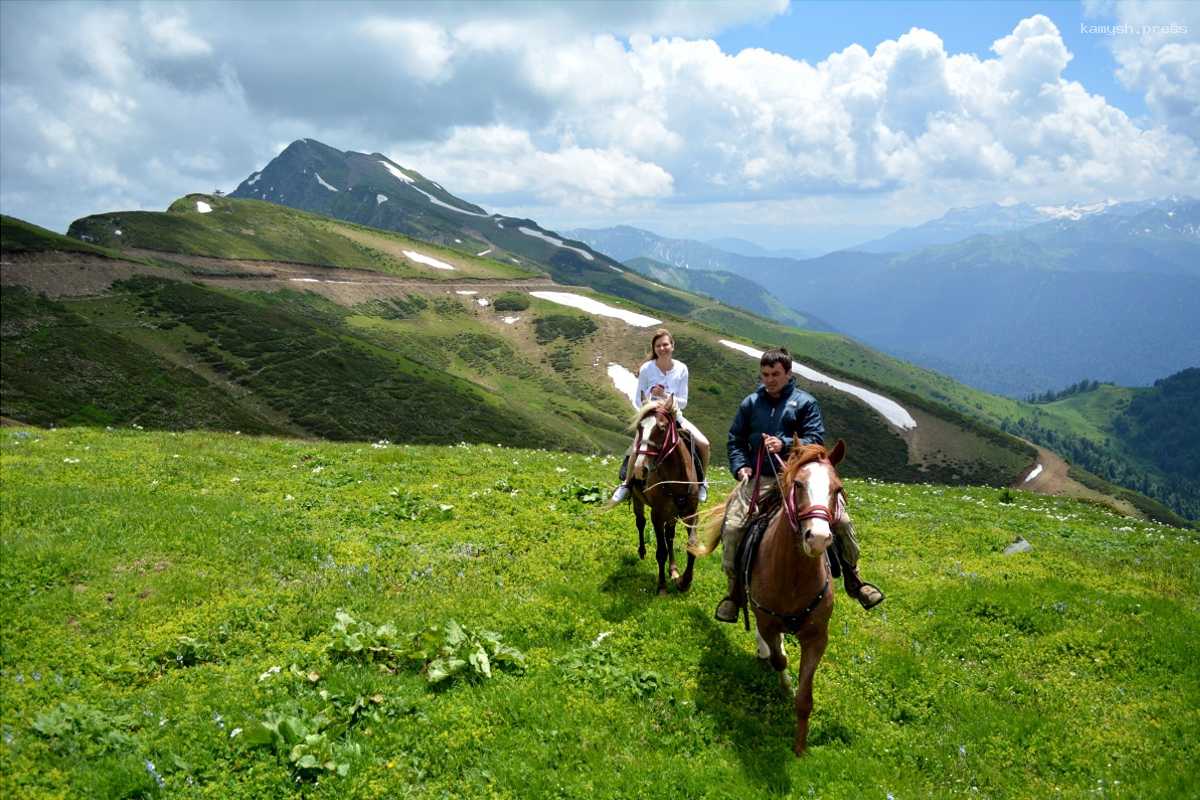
point(743, 699)
point(629, 588)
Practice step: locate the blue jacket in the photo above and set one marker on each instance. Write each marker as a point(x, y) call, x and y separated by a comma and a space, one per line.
point(794, 417)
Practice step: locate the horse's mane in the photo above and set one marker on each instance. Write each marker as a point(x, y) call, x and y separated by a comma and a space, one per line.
point(804, 454)
point(667, 407)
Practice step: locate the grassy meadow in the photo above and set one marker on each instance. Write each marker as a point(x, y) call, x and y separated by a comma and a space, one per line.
point(217, 615)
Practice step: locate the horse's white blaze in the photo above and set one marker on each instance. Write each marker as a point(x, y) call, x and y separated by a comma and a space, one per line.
point(647, 426)
point(818, 488)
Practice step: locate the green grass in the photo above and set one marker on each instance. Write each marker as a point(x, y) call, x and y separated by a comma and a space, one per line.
point(1064, 672)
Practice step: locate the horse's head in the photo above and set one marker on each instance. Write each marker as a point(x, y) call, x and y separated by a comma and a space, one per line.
point(811, 487)
point(657, 437)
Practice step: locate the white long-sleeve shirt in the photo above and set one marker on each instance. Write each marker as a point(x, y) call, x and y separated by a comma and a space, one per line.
point(675, 380)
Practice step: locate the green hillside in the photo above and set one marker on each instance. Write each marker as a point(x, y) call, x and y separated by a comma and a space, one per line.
point(19, 236)
point(728, 287)
point(1146, 439)
point(171, 607)
point(257, 230)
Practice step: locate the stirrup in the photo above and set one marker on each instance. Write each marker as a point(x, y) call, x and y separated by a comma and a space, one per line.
point(869, 604)
point(730, 609)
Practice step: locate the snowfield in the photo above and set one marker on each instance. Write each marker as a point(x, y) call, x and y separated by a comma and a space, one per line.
point(595, 307)
point(203, 207)
point(428, 261)
point(625, 381)
point(889, 409)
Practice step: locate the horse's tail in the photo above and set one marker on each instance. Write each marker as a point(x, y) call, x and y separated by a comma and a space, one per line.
point(711, 521)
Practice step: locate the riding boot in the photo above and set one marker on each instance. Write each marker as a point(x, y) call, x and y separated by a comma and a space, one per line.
point(867, 594)
point(700, 476)
point(732, 603)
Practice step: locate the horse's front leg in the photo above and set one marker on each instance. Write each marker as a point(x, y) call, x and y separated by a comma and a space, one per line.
point(770, 650)
point(660, 552)
point(639, 516)
point(812, 648)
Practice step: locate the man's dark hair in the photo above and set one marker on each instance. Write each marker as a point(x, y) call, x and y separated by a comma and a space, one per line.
point(777, 355)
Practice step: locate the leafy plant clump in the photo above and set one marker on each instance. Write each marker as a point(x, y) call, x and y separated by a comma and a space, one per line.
point(79, 728)
point(441, 652)
point(308, 742)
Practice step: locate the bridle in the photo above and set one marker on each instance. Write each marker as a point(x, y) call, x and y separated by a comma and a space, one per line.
point(658, 452)
point(795, 516)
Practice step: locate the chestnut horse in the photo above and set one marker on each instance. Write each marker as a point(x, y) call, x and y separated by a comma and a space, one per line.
point(790, 582)
point(665, 480)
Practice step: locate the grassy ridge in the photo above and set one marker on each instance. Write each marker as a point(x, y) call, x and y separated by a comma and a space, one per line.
point(153, 583)
point(253, 229)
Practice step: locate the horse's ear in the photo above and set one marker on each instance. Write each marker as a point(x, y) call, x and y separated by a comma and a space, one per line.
point(837, 453)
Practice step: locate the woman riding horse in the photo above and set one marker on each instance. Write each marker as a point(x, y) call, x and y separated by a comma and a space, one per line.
point(659, 378)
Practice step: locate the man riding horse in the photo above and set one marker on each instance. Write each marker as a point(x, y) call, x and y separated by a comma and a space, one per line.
point(769, 423)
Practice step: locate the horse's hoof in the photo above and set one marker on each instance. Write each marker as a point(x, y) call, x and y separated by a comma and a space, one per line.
point(674, 574)
point(662, 591)
point(683, 586)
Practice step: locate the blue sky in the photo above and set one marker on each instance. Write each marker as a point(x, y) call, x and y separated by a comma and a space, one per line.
point(799, 124)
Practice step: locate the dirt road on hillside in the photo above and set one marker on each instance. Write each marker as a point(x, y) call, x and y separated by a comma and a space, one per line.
point(1053, 479)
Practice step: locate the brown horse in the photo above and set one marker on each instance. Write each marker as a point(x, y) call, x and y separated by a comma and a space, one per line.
point(790, 581)
point(665, 480)
point(790, 589)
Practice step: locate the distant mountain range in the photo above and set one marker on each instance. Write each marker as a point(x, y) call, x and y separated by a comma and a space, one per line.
point(959, 224)
point(727, 287)
point(1106, 291)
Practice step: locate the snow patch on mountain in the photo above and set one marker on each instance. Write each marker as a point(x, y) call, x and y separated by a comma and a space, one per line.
point(203, 207)
point(438, 202)
point(380, 198)
point(254, 179)
point(892, 411)
point(483, 253)
point(1036, 471)
point(429, 261)
point(555, 242)
point(399, 173)
point(321, 181)
point(1075, 212)
point(625, 381)
point(595, 307)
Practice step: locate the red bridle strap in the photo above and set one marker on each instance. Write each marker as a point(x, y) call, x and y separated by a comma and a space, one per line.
point(670, 441)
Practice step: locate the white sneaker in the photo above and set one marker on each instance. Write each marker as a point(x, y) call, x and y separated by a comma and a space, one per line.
point(620, 494)
point(703, 492)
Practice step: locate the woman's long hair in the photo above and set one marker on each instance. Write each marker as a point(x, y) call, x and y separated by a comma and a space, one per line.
point(654, 340)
